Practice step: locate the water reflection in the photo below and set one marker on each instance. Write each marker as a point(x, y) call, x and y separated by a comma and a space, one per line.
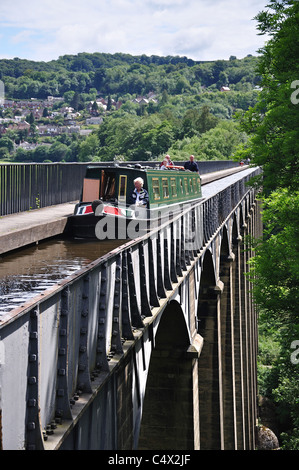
point(32, 270)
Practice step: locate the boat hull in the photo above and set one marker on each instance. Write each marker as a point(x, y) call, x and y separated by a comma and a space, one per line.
point(109, 226)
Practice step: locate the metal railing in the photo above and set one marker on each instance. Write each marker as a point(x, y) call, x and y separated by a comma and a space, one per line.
point(60, 341)
point(26, 186)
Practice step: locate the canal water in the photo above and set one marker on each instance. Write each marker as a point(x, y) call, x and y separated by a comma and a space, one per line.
point(30, 271)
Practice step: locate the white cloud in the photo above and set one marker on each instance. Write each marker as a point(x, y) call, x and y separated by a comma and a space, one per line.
point(199, 29)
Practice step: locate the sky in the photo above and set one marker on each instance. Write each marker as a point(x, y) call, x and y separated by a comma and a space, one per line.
point(43, 30)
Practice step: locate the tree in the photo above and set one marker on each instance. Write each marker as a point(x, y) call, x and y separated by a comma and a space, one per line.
point(218, 143)
point(273, 128)
point(275, 280)
point(165, 97)
point(109, 103)
point(190, 122)
point(155, 141)
point(273, 122)
point(206, 120)
point(6, 142)
point(77, 102)
point(99, 78)
point(197, 121)
point(88, 148)
point(58, 152)
point(30, 118)
point(41, 153)
point(95, 108)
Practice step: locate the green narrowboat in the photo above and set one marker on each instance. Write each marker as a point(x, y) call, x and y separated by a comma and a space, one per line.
point(105, 207)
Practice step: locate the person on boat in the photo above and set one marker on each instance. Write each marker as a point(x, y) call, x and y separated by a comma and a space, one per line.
point(139, 196)
point(168, 161)
point(164, 164)
point(191, 165)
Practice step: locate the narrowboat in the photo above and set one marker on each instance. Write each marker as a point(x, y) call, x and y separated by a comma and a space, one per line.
point(105, 209)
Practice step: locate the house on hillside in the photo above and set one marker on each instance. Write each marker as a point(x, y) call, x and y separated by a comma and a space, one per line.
point(141, 101)
point(20, 126)
point(48, 130)
point(94, 120)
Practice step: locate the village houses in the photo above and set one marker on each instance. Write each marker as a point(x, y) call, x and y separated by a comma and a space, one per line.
point(21, 109)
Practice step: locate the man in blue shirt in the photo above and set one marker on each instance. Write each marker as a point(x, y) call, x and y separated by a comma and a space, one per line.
point(191, 165)
point(139, 196)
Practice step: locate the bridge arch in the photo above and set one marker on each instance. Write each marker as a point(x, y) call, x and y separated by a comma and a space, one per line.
point(226, 338)
point(169, 406)
point(208, 271)
point(208, 376)
point(225, 245)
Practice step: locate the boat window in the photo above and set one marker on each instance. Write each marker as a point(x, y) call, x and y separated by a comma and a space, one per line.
point(194, 185)
point(165, 187)
point(122, 188)
point(191, 186)
point(156, 188)
point(198, 182)
point(181, 185)
point(108, 187)
point(186, 186)
point(173, 187)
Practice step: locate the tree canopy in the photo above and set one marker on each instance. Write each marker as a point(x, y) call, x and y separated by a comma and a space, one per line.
point(187, 103)
point(273, 122)
point(272, 126)
point(121, 74)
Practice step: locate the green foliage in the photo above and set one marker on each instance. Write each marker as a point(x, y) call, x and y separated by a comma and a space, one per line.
point(88, 148)
point(277, 257)
point(56, 152)
point(134, 138)
point(218, 143)
point(273, 122)
point(7, 143)
point(189, 103)
point(121, 74)
point(275, 277)
point(272, 125)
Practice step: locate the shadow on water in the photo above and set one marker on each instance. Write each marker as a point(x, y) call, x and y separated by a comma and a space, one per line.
point(30, 271)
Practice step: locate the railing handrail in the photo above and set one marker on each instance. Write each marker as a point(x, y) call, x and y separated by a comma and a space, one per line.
point(62, 284)
point(28, 185)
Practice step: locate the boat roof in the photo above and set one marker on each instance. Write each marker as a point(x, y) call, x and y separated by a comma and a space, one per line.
point(136, 167)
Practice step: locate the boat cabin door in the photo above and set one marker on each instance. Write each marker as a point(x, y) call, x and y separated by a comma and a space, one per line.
point(108, 184)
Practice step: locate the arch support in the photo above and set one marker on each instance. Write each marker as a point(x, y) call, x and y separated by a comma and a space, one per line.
point(170, 418)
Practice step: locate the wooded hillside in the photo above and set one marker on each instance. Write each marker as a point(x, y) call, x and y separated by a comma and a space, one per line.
point(164, 104)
